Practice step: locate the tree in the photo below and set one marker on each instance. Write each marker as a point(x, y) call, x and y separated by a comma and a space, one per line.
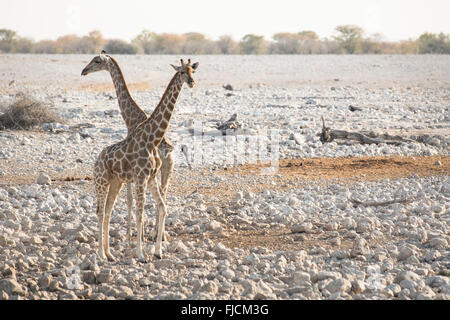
point(308, 35)
point(95, 41)
point(68, 44)
point(168, 43)
point(309, 42)
point(372, 44)
point(285, 43)
point(304, 42)
point(23, 45)
point(252, 44)
point(196, 43)
point(145, 41)
point(226, 45)
point(409, 46)
point(7, 38)
point(434, 43)
point(350, 37)
point(117, 46)
point(45, 46)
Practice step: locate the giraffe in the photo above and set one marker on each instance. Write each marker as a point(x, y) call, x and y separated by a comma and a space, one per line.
point(135, 160)
point(133, 115)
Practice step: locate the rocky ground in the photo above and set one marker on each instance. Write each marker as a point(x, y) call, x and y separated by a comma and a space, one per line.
point(331, 221)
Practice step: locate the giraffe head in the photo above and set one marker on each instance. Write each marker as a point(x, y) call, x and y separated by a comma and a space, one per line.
point(98, 63)
point(186, 70)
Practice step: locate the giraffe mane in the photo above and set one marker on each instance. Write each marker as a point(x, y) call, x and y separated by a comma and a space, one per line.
point(162, 98)
point(126, 86)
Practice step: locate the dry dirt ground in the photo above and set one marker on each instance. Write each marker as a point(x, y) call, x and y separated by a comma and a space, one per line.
point(292, 173)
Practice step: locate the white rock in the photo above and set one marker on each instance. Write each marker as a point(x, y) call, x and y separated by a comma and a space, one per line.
point(331, 226)
point(251, 259)
point(3, 195)
point(360, 248)
point(11, 287)
point(220, 248)
point(257, 290)
point(407, 275)
point(305, 227)
point(339, 254)
point(439, 243)
point(177, 246)
point(358, 286)
point(432, 255)
point(228, 274)
point(214, 226)
point(349, 223)
point(300, 277)
point(105, 276)
point(44, 179)
point(408, 284)
point(437, 281)
point(405, 252)
point(210, 287)
point(339, 285)
point(323, 275)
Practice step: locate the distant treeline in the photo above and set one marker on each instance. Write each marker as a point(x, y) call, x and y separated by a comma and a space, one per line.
point(349, 39)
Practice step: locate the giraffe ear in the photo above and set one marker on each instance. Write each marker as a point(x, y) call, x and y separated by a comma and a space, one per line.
point(195, 65)
point(176, 68)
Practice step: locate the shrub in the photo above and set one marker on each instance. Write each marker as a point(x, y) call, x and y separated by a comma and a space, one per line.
point(26, 113)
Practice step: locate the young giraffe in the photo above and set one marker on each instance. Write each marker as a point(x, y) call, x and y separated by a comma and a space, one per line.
point(133, 115)
point(136, 160)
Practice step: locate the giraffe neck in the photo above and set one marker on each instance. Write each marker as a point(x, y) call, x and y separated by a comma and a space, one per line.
point(158, 122)
point(131, 113)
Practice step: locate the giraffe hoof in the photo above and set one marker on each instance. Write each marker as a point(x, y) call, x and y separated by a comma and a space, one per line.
point(102, 256)
point(110, 257)
point(158, 256)
point(142, 260)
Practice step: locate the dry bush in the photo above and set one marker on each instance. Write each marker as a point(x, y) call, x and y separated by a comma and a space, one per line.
point(26, 113)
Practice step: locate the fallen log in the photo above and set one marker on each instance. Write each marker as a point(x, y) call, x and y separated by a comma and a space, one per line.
point(328, 135)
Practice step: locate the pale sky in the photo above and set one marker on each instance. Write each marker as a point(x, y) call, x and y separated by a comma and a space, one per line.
point(394, 19)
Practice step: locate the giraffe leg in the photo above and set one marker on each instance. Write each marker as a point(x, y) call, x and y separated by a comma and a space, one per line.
point(167, 164)
point(141, 186)
point(166, 172)
point(114, 190)
point(102, 191)
point(153, 186)
point(130, 211)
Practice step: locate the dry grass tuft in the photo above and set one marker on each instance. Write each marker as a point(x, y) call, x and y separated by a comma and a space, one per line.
point(25, 113)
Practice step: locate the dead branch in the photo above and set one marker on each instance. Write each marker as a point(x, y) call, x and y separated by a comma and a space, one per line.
point(328, 135)
point(378, 203)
